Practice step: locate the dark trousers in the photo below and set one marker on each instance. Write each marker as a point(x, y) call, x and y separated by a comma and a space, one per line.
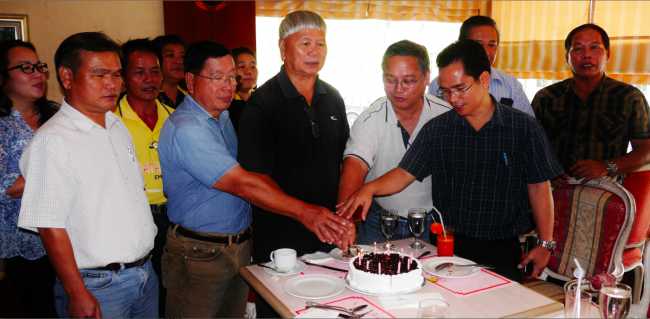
point(34, 282)
point(504, 254)
point(162, 222)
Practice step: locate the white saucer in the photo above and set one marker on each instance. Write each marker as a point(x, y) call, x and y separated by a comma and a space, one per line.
point(314, 286)
point(299, 267)
point(337, 254)
point(347, 285)
point(429, 265)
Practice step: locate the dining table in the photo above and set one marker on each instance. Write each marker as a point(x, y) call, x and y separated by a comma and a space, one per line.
point(486, 295)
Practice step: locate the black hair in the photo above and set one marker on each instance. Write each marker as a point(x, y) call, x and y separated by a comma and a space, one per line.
point(200, 52)
point(45, 109)
point(477, 21)
point(603, 34)
point(470, 53)
point(239, 50)
point(161, 41)
point(408, 48)
point(139, 45)
point(69, 52)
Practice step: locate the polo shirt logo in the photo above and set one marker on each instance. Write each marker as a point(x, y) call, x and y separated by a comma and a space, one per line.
point(333, 118)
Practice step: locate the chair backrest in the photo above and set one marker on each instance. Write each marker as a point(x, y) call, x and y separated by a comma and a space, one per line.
point(640, 310)
point(592, 224)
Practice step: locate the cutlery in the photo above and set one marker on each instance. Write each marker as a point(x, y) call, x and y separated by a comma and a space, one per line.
point(351, 311)
point(328, 267)
point(447, 265)
point(424, 254)
point(278, 271)
point(355, 316)
point(350, 252)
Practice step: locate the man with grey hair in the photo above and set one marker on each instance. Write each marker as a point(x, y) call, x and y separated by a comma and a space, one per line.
point(383, 132)
point(294, 137)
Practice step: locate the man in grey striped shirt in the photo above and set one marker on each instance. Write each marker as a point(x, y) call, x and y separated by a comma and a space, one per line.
point(504, 87)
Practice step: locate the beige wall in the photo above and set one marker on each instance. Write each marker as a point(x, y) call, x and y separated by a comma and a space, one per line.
point(50, 22)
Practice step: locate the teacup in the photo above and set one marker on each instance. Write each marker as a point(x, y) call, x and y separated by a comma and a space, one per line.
point(285, 259)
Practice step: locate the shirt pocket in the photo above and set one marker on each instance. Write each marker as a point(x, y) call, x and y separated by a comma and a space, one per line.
point(504, 166)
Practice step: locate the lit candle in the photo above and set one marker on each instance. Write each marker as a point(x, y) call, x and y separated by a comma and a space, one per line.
point(399, 266)
point(380, 268)
point(368, 265)
point(408, 266)
point(375, 247)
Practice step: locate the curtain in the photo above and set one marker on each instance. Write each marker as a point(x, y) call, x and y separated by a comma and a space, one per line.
point(533, 34)
point(442, 11)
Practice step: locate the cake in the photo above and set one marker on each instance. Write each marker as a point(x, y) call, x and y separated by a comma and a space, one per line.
point(365, 273)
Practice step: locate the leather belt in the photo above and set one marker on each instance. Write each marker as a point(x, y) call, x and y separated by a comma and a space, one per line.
point(117, 266)
point(225, 239)
point(158, 209)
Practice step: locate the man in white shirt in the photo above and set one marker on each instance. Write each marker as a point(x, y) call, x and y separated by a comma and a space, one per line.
point(381, 135)
point(84, 191)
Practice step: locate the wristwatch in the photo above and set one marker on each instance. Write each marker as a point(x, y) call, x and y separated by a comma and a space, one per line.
point(611, 166)
point(550, 245)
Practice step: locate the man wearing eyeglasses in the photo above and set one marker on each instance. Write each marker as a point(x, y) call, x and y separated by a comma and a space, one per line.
point(383, 132)
point(487, 162)
point(504, 87)
point(207, 194)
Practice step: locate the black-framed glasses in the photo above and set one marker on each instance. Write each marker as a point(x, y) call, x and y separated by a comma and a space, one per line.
point(222, 79)
point(312, 121)
point(408, 84)
point(29, 68)
point(458, 92)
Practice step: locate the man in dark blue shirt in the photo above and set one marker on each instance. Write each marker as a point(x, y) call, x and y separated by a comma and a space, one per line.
point(487, 163)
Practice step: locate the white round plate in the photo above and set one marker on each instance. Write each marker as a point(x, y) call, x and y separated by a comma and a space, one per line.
point(298, 268)
point(429, 265)
point(337, 254)
point(314, 286)
point(347, 285)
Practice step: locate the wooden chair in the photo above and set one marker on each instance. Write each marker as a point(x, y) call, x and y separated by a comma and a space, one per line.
point(592, 224)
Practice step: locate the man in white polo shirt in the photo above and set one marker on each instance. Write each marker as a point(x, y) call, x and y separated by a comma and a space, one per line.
point(381, 135)
point(84, 191)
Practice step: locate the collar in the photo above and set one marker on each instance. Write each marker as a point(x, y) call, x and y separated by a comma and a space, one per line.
point(391, 117)
point(289, 90)
point(599, 87)
point(495, 75)
point(237, 97)
point(82, 122)
point(14, 113)
point(497, 116)
point(180, 89)
point(201, 112)
point(125, 111)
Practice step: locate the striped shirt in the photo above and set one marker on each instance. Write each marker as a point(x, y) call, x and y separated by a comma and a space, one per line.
point(597, 129)
point(479, 178)
point(87, 179)
point(502, 85)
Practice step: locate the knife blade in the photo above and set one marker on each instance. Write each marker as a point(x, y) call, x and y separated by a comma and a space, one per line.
point(328, 267)
point(424, 254)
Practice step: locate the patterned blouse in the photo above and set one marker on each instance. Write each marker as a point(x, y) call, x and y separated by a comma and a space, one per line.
point(15, 133)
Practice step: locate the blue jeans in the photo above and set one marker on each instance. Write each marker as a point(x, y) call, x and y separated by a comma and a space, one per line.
point(370, 232)
point(128, 293)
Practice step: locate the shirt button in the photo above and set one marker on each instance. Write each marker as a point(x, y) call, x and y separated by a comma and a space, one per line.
point(580, 144)
point(474, 159)
point(476, 135)
point(127, 178)
point(470, 206)
point(472, 183)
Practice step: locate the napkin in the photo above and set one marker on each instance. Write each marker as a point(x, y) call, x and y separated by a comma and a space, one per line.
point(318, 313)
point(318, 257)
point(406, 301)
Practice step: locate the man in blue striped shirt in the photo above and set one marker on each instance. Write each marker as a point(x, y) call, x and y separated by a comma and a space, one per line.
point(504, 87)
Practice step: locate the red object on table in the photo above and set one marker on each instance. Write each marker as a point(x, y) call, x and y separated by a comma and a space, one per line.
point(445, 245)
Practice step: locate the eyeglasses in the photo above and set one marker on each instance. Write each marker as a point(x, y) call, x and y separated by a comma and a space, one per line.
point(222, 79)
point(407, 85)
point(312, 120)
point(458, 92)
point(29, 68)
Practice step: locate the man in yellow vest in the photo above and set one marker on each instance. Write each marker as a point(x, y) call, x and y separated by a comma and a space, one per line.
point(143, 116)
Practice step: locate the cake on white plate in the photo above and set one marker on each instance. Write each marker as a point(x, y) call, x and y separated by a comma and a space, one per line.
point(365, 273)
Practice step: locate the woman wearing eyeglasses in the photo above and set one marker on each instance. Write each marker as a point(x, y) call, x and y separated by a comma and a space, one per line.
point(23, 108)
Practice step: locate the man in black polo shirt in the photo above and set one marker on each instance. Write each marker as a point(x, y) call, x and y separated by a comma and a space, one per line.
point(487, 162)
point(292, 133)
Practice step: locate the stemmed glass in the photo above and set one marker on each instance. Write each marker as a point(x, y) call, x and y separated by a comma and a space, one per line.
point(417, 223)
point(614, 300)
point(388, 221)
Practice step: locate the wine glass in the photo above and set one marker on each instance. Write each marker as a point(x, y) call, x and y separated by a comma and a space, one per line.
point(614, 300)
point(417, 223)
point(388, 221)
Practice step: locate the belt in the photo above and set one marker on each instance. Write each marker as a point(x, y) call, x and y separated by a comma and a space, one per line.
point(225, 239)
point(117, 266)
point(158, 209)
